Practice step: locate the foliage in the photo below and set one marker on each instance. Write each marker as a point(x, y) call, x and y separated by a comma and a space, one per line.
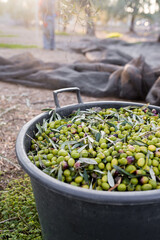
point(19, 218)
point(121, 9)
point(22, 11)
point(82, 12)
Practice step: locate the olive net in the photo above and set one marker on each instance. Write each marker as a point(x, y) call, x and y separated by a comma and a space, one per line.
point(113, 68)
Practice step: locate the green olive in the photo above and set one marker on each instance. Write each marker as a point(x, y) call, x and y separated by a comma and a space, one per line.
point(79, 179)
point(62, 152)
point(66, 173)
point(152, 148)
point(146, 187)
point(85, 146)
point(121, 187)
point(75, 154)
point(71, 162)
point(105, 186)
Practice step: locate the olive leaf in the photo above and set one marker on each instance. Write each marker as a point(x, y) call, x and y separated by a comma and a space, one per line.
point(91, 185)
point(93, 130)
point(119, 179)
point(110, 179)
point(98, 171)
point(139, 119)
point(122, 171)
point(58, 117)
point(78, 111)
point(127, 109)
point(82, 148)
point(154, 128)
point(77, 117)
point(90, 139)
point(47, 138)
point(41, 163)
point(98, 118)
point(152, 173)
point(53, 170)
point(103, 134)
point(44, 156)
point(60, 173)
point(130, 121)
point(55, 130)
point(98, 136)
point(49, 170)
point(85, 176)
point(139, 143)
point(109, 140)
point(38, 126)
point(145, 106)
point(88, 161)
point(90, 145)
point(125, 138)
point(78, 144)
point(44, 125)
point(80, 173)
point(46, 109)
point(66, 143)
point(123, 123)
point(53, 144)
point(147, 158)
point(60, 127)
point(112, 125)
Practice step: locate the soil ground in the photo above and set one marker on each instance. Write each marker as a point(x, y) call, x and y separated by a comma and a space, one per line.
point(19, 104)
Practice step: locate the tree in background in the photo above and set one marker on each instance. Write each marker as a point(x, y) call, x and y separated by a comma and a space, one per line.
point(2, 7)
point(83, 11)
point(133, 8)
point(121, 9)
point(22, 11)
point(65, 11)
point(90, 10)
point(158, 6)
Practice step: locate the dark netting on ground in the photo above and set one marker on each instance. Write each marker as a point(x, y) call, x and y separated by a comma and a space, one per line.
point(110, 72)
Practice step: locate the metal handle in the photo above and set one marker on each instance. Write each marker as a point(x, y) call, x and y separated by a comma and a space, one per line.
point(72, 89)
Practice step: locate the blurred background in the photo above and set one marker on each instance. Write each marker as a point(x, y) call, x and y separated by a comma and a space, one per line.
point(132, 19)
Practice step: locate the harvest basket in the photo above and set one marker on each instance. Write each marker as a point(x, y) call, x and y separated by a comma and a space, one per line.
point(69, 212)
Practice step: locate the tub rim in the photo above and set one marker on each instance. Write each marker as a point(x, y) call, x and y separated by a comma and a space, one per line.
point(65, 189)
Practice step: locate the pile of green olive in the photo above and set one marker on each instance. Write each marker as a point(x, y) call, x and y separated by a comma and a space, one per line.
point(102, 149)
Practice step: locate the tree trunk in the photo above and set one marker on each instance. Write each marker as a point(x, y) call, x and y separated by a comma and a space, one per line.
point(64, 27)
point(131, 28)
point(90, 27)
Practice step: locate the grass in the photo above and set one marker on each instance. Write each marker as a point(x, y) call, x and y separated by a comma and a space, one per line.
point(7, 35)
point(19, 218)
point(16, 46)
point(62, 33)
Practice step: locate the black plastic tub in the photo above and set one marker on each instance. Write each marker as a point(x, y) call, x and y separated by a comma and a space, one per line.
point(68, 212)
